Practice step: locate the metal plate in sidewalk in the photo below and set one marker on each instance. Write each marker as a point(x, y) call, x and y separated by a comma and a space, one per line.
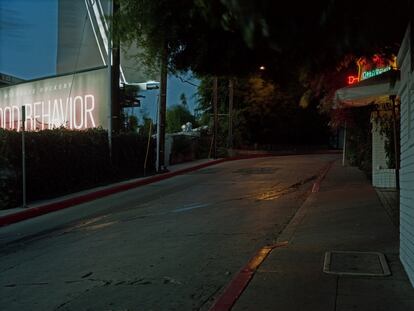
point(356, 263)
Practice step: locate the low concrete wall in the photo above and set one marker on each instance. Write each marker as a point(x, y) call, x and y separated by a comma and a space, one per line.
point(382, 176)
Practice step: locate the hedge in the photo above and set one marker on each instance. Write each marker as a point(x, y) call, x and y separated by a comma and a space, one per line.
point(62, 161)
point(188, 148)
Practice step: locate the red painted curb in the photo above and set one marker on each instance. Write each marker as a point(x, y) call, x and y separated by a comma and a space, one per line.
point(317, 184)
point(56, 206)
point(239, 283)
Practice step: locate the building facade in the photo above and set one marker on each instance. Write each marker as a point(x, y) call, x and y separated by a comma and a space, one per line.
point(83, 40)
point(406, 95)
point(6, 80)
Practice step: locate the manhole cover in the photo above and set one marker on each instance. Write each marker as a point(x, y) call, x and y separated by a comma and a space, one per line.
point(256, 170)
point(356, 263)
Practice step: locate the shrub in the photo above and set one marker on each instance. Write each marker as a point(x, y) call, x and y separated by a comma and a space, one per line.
point(62, 161)
point(188, 148)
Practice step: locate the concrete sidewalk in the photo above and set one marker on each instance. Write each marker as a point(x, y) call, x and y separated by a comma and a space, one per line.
point(345, 215)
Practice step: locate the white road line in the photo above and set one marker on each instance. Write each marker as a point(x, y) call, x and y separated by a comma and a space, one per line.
point(189, 208)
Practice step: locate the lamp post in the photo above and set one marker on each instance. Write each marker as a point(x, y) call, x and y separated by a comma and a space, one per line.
point(344, 146)
point(231, 99)
point(215, 116)
point(24, 197)
point(110, 81)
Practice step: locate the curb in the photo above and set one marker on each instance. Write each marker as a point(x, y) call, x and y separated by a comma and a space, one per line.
point(289, 231)
point(239, 283)
point(56, 206)
point(317, 184)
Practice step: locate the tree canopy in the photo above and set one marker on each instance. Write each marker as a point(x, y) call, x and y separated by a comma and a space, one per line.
point(307, 48)
point(233, 37)
point(264, 113)
point(178, 115)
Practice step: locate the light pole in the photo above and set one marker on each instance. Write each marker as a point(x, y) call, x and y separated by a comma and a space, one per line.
point(344, 147)
point(109, 61)
point(24, 196)
point(215, 116)
point(162, 111)
point(231, 98)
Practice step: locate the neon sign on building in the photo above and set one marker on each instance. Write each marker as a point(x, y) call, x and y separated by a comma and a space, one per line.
point(371, 67)
point(352, 79)
point(374, 72)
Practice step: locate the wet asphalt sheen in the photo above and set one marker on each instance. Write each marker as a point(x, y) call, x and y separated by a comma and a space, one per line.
point(172, 245)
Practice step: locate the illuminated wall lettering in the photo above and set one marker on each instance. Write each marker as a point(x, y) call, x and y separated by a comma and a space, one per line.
point(76, 102)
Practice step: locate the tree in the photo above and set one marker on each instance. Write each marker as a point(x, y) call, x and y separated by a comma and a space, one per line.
point(300, 43)
point(319, 33)
point(147, 126)
point(224, 37)
point(177, 116)
point(264, 113)
point(129, 122)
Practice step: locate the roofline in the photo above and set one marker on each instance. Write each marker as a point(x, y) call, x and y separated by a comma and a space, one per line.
point(55, 76)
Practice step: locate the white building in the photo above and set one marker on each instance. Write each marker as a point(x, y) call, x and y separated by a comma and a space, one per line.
point(375, 90)
point(406, 95)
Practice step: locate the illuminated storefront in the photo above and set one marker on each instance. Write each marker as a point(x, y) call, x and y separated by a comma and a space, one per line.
point(376, 81)
point(372, 67)
point(376, 86)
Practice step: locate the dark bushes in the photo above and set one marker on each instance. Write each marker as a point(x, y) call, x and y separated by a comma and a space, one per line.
point(189, 148)
point(62, 161)
point(359, 139)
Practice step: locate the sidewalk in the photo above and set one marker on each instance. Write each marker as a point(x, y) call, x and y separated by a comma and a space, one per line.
point(390, 199)
point(345, 215)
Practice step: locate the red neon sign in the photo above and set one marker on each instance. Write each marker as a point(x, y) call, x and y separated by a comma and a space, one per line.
point(352, 80)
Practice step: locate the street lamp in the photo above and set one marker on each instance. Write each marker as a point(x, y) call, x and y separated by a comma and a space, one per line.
point(145, 86)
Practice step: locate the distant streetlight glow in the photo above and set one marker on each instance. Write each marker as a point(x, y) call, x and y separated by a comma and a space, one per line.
point(262, 67)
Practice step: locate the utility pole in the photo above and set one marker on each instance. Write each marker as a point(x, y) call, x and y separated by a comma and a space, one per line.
point(162, 112)
point(231, 98)
point(116, 59)
point(109, 62)
point(344, 147)
point(215, 116)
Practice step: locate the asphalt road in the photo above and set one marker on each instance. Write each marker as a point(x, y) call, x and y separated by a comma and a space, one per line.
point(172, 245)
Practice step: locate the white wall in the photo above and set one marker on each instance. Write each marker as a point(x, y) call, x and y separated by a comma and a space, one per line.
point(382, 176)
point(406, 94)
